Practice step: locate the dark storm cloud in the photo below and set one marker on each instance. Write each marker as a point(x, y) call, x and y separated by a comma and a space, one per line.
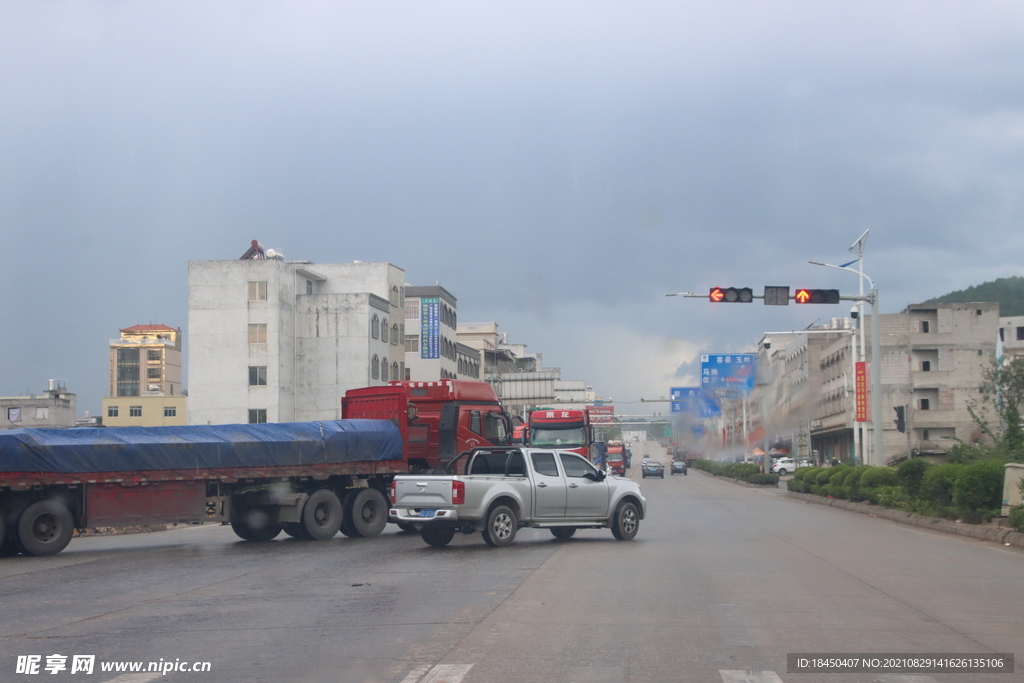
point(557, 166)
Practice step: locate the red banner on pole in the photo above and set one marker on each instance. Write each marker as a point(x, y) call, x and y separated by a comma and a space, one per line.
point(861, 386)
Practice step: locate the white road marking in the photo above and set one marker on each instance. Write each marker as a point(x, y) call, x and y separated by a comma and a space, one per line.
point(416, 674)
point(447, 673)
point(736, 676)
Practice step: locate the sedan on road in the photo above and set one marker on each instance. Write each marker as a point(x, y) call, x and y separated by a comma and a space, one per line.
point(679, 467)
point(652, 468)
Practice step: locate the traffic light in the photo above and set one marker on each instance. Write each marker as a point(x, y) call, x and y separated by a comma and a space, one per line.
point(901, 424)
point(776, 296)
point(732, 295)
point(817, 296)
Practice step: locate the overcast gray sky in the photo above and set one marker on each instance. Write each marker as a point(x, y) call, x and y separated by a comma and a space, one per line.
point(558, 166)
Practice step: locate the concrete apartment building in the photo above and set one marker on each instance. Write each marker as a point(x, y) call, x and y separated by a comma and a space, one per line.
point(54, 409)
point(145, 378)
point(281, 341)
point(1011, 336)
point(431, 348)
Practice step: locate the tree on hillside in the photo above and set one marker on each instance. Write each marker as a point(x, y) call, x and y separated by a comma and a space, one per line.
point(1008, 292)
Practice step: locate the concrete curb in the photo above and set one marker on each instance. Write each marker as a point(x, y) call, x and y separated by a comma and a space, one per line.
point(978, 531)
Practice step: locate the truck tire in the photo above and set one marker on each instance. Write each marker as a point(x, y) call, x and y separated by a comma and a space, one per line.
point(501, 527)
point(563, 533)
point(256, 523)
point(369, 512)
point(626, 521)
point(296, 530)
point(347, 527)
point(437, 536)
point(45, 528)
point(322, 515)
point(9, 517)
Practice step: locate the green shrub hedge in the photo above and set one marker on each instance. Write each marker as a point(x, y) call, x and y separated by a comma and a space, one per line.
point(744, 471)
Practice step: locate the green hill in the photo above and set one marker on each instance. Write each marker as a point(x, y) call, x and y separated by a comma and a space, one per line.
point(1007, 291)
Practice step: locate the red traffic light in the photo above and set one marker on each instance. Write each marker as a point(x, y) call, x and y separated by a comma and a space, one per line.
point(817, 296)
point(732, 295)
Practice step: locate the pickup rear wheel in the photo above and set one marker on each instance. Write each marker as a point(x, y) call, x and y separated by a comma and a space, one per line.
point(626, 522)
point(322, 515)
point(369, 512)
point(438, 537)
point(563, 533)
point(501, 526)
point(45, 528)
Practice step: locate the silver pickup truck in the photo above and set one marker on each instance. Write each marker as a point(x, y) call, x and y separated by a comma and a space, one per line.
point(498, 490)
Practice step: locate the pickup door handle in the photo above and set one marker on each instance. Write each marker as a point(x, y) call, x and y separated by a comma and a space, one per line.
point(572, 486)
point(542, 485)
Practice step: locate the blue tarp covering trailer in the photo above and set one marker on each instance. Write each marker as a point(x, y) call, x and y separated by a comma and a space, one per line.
point(201, 447)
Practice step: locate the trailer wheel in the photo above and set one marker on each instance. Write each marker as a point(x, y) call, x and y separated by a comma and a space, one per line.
point(322, 515)
point(45, 528)
point(438, 537)
point(256, 523)
point(347, 528)
point(369, 512)
point(296, 530)
point(9, 517)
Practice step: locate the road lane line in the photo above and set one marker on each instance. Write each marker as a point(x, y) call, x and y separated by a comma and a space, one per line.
point(447, 673)
point(416, 674)
point(737, 676)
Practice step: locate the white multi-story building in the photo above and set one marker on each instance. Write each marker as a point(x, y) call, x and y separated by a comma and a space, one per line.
point(431, 351)
point(280, 341)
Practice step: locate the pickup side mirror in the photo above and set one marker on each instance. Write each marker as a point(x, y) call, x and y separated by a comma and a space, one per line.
point(594, 476)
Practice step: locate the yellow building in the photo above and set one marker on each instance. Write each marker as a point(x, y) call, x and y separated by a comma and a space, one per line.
point(145, 378)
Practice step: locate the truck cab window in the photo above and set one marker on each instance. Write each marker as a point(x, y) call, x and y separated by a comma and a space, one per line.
point(575, 466)
point(474, 423)
point(494, 428)
point(544, 463)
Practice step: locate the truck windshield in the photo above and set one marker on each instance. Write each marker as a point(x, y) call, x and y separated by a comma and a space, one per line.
point(557, 437)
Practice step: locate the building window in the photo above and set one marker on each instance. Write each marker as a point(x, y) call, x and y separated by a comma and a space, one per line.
point(1002, 336)
point(394, 295)
point(926, 366)
point(153, 373)
point(925, 403)
point(412, 310)
point(924, 435)
point(394, 334)
point(1020, 334)
point(134, 411)
point(384, 330)
point(153, 354)
point(375, 327)
point(111, 411)
point(127, 372)
point(412, 343)
point(257, 375)
point(394, 371)
point(257, 291)
point(42, 413)
point(925, 326)
point(170, 411)
point(257, 416)
point(258, 333)
point(375, 367)
point(309, 287)
point(14, 414)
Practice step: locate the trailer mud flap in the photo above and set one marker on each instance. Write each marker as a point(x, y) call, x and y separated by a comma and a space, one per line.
point(165, 502)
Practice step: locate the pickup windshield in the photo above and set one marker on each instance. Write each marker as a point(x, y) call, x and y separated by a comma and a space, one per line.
point(557, 437)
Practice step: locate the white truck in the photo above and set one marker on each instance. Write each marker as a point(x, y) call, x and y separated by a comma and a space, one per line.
point(498, 490)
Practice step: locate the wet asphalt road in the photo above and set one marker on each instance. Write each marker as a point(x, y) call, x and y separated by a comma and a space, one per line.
point(720, 579)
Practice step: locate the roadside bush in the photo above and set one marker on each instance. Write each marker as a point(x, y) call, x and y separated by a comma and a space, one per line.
point(740, 470)
point(979, 486)
point(1016, 518)
point(910, 474)
point(806, 474)
point(937, 484)
point(770, 478)
point(837, 475)
point(878, 476)
point(889, 496)
point(852, 483)
point(796, 485)
point(823, 476)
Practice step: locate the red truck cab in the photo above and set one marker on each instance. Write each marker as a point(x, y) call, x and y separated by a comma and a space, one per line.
point(438, 420)
point(564, 429)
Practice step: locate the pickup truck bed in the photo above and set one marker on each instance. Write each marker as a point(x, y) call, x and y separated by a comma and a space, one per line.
point(498, 490)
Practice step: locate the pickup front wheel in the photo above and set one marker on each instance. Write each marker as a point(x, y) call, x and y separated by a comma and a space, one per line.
point(501, 527)
point(438, 537)
point(626, 522)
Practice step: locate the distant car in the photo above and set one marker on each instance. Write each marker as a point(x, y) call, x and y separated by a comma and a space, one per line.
point(652, 468)
point(784, 466)
point(679, 467)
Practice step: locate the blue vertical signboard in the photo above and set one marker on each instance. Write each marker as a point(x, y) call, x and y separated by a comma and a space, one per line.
point(733, 372)
point(430, 327)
